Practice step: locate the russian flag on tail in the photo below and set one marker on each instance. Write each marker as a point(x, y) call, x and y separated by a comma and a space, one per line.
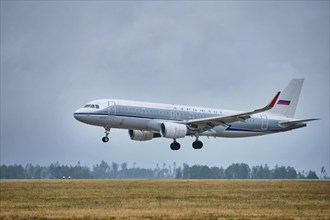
point(283, 102)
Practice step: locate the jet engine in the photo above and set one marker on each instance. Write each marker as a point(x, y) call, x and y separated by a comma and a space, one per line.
point(173, 130)
point(138, 135)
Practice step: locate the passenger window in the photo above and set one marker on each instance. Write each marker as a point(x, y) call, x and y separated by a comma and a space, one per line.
point(97, 106)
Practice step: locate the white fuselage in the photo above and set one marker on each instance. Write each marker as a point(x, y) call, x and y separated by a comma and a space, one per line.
point(146, 116)
point(145, 120)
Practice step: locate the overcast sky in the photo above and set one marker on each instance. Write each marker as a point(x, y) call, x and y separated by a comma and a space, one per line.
point(56, 56)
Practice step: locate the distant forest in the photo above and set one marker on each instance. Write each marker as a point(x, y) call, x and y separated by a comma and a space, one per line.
point(122, 171)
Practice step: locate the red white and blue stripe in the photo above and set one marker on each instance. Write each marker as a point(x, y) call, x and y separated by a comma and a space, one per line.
point(283, 102)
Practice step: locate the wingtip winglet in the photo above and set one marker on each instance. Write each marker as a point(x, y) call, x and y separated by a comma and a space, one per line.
point(272, 103)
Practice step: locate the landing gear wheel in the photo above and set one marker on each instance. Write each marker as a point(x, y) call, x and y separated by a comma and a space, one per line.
point(107, 130)
point(197, 144)
point(175, 146)
point(105, 139)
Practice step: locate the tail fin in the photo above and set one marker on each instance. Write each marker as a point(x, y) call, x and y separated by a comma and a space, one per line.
point(288, 100)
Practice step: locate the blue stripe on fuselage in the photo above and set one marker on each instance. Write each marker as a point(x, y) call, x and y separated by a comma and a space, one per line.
point(230, 128)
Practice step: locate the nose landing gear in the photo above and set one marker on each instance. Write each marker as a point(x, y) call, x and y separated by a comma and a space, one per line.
point(106, 139)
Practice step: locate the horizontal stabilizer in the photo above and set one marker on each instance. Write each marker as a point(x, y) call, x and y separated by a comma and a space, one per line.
point(290, 123)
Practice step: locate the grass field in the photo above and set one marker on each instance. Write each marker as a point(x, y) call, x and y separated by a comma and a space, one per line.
point(164, 199)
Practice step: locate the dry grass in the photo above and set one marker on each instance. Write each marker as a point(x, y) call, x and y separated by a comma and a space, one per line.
point(164, 199)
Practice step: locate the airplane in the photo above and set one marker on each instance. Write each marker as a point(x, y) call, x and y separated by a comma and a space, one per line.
point(146, 120)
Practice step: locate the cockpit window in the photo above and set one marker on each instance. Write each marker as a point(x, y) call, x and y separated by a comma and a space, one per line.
point(91, 106)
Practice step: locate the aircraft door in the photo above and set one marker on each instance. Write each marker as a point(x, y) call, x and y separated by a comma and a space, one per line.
point(111, 108)
point(175, 114)
point(172, 114)
point(264, 122)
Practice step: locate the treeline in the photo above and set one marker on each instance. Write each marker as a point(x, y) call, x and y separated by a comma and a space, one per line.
point(99, 171)
point(122, 171)
point(243, 171)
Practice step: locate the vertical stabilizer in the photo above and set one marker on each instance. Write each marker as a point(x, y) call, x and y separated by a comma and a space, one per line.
point(288, 100)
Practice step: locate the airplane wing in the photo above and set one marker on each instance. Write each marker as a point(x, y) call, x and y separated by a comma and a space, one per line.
point(210, 122)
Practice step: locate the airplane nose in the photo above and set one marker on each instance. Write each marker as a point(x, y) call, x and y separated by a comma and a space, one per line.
point(77, 115)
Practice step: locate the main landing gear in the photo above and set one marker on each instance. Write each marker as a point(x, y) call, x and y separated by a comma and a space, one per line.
point(197, 144)
point(106, 139)
point(175, 145)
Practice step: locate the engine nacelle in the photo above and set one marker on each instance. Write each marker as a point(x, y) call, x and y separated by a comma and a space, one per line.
point(138, 135)
point(173, 130)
